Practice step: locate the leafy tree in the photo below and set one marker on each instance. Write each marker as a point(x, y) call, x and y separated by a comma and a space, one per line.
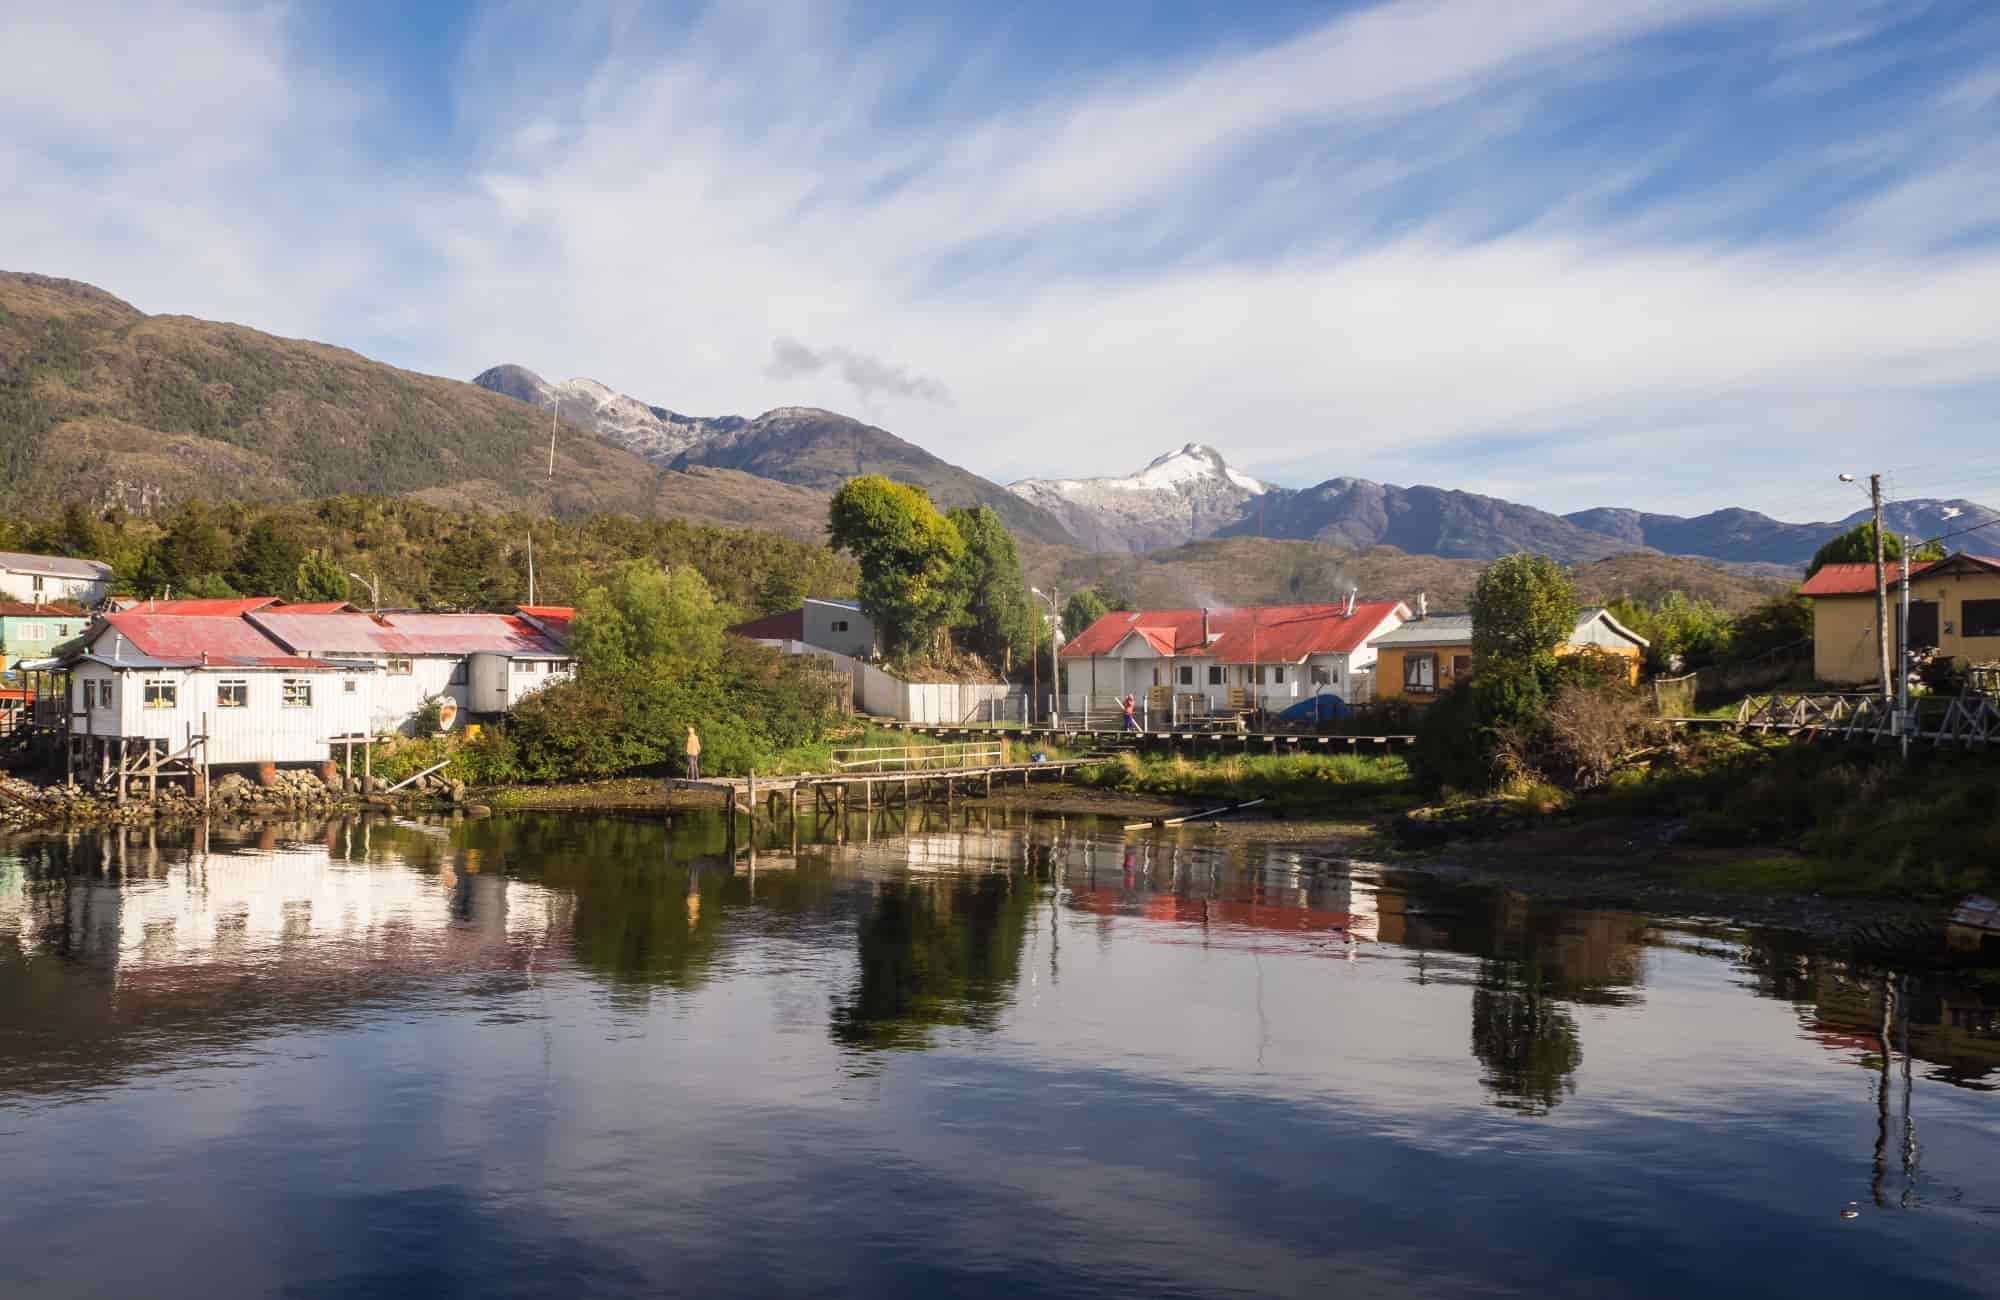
point(320, 577)
point(1083, 608)
point(908, 554)
point(649, 619)
point(992, 595)
point(267, 560)
point(1857, 546)
point(1523, 607)
point(194, 547)
point(1683, 634)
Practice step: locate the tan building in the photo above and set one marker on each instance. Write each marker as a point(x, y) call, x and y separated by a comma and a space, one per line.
point(1954, 609)
point(1427, 656)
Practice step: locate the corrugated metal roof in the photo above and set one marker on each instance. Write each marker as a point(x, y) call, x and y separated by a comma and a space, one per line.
point(186, 636)
point(406, 634)
point(788, 626)
point(60, 566)
point(225, 662)
point(49, 609)
point(1438, 629)
point(1249, 634)
point(553, 619)
point(320, 607)
point(200, 607)
point(1859, 579)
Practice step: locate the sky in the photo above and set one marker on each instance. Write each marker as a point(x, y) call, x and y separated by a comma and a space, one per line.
point(1668, 254)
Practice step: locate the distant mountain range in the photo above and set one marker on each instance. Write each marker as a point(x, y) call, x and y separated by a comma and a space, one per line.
point(1192, 494)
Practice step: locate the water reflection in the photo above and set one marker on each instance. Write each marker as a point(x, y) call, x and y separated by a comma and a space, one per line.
point(978, 1017)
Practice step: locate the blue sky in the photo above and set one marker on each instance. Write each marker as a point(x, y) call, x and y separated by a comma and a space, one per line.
point(1674, 254)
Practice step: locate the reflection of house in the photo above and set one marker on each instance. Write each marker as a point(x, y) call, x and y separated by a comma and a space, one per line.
point(1954, 609)
point(1427, 656)
point(31, 631)
point(1951, 1023)
point(836, 625)
point(1258, 656)
point(45, 578)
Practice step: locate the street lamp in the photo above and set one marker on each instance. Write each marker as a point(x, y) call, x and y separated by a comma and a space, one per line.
point(1055, 647)
point(374, 593)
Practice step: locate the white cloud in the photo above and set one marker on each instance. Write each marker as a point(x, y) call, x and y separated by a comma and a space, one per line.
point(1195, 250)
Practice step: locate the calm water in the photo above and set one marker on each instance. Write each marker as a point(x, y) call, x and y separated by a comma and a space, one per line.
point(563, 1056)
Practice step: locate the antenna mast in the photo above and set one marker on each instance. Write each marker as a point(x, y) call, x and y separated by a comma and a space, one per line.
point(555, 409)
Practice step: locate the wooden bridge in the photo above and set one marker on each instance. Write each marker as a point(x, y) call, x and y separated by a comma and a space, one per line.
point(879, 777)
point(1970, 720)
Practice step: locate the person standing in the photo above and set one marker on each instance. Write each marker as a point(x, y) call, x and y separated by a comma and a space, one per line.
point(693, 749)
point(1131, 722)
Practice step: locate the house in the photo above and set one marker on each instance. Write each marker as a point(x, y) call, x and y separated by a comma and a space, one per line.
point(835, 625)
point(1954, 609)
point(161, 679)
point(485, 663)
point(33, 578)
point(31, 631)
point(1208, 660)
point(1427, 656)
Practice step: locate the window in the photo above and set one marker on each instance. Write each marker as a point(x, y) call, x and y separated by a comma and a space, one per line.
point(840, 625)
point(1187, 674)
point(524, 665)
point(1420, 673)
point(1322, 675)
point(1215, 675)
point(552, 666)
point(458, 673)
point(1980, 618)
point(1461, 665)
point(232, 695)
point(161, 694)
point(33, 632)
point(38, 584)
point(1923, 624)
point(1278, 675)
point(397, 668)
point(297, 693)
point(350, 686)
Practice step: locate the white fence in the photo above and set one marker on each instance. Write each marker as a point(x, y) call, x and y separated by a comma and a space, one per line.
point(878, 692)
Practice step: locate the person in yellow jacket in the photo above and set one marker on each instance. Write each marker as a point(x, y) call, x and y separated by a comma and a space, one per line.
point(693, 754)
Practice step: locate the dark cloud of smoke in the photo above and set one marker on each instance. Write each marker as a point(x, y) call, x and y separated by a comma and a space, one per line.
point(867, 375)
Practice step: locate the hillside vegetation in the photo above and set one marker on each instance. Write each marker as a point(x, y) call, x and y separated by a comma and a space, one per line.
point(95, 394)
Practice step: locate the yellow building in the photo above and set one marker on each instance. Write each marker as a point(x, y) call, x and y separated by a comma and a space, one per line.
point(1954, 609)
point(1427, 656)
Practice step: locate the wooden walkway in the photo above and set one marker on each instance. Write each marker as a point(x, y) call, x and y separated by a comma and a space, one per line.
point(839, 792)
point(1191, 743)
point(1968, 721)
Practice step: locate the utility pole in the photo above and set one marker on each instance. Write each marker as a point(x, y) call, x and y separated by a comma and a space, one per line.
point(555, 410)
point(1881, 588)
point(1903, 657)
point(531, 564)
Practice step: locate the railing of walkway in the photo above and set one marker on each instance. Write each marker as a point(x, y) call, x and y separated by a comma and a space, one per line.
point(917, 758)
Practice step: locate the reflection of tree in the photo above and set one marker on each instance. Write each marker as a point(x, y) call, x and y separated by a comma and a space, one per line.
point(935, 952)
point(1524, 1036)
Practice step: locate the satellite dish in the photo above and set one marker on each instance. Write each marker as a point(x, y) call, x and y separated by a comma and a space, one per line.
point(447, 713)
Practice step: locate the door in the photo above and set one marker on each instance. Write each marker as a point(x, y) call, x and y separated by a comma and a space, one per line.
point(1923, 625)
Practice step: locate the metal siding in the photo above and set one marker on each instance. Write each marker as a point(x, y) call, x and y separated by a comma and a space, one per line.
point(265, 731)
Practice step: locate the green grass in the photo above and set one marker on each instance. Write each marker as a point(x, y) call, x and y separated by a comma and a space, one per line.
point(1298, 783)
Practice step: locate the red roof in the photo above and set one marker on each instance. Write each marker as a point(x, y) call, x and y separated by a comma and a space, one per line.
point(321, 607)
point(1250, 634)
point(230, 607)
point(227, 640)
point(553, 619)
point(48, 609)
point(1859, 579)
point(788, 626)
point(404, 634)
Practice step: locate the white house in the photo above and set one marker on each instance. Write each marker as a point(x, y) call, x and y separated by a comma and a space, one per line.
point(1203, 660)
point(163, 679)
point(486, 663)
point(38, 579)
point(835, 625)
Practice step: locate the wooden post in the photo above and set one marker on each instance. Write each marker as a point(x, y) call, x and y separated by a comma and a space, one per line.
point(367, 757)
point(152, 773)
point(752, 814)
point(121, 771)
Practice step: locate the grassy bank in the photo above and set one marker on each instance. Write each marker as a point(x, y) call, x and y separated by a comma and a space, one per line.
point(1294, 784)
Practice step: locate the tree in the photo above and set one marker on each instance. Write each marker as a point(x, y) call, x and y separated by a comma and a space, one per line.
point(268, 560)
point(1857, 546)
point(194, 548)
point(320, 577)
point(908, 554)
point(647, 619)
point(992, 597)
point(1523, 607)
point(1083, 608)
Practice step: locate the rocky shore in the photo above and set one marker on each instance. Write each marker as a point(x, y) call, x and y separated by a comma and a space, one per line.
point(25, 805)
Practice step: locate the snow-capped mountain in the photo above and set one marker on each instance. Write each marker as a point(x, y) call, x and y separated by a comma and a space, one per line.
point(654, 432)
point(1181, 496)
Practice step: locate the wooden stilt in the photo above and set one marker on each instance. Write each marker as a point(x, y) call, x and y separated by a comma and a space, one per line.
point(121, 771)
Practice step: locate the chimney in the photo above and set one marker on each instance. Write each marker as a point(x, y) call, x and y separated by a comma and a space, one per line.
point(117, 645)
point(1204, 625)
point(1423, 604)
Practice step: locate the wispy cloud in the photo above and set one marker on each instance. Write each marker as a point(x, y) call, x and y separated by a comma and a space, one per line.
point(1352, 247)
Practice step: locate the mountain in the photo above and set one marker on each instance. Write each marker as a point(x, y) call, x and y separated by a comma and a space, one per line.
point(650, 431)
point(103, 403)
point(802, 446)
point(1179, 497)
point(1746, 536)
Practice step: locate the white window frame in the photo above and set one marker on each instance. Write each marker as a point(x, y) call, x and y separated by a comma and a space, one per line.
point(296, 693)
point(31, 632)
point(522, 665)
point(238, 684)
point(160, 693)
point(398, 667)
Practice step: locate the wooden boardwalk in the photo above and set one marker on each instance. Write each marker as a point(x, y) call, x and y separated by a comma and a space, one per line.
point(1191, 743)
point(841, 791)
point(1967, 721)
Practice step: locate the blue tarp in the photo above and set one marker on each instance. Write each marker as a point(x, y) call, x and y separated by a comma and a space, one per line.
point(1318, 709)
